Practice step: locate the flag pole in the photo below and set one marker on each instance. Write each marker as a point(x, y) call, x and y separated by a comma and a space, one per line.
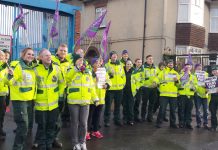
point(88, 46)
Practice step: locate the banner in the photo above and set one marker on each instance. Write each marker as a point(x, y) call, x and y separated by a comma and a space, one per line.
point(101, 77)
point(5, 42)
point(211, 84)
point(201, 77)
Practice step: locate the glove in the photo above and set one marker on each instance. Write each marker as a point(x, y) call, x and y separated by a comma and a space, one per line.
point(111, 75)
point(82, 68)
point(96, 103)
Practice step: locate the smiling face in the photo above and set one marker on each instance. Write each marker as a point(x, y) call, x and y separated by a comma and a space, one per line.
point(62, 52)
point(28, 55)
point(170, 65)
point(138, 63)
point(125, 56)
point(149, 60)
point(129, 64)
point(45, 57)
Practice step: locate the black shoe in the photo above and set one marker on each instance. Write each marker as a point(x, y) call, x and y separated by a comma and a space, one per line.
point(107, 124)
point(57, 144)
point(206, 127)
point(198, 126)
point(131, 123)
point(213, 129)
point(118, 123)
point(158, 125)
point(137, 120)
point(174, 126)
point(181, 126)
point(149, 120)
point(35, 146)
point(166, 119)
point(188, 126)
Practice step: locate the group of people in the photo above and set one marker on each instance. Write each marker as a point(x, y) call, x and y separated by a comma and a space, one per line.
point(54, 86)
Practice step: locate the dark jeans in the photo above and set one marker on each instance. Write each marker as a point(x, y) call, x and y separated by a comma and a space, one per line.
point(148, 95)
point(164, 101)
point(128, 106)
point(213, 109)
point(198, 103)
point(157, 102)
point(94, 117)
point(138, 99)
point(23, 115)
point(185, 106)
point(46, 121)
point(117, 96)
point(2, 111)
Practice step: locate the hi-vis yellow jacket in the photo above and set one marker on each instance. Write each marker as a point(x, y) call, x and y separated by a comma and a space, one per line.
point(23, 83)
point(50, 87)
point(3, 79)
point(80, 87)
point(189, 87)
point(64, 65)
point(117, 75)
point(137, 80)
point(150, 75)
point(167, 85)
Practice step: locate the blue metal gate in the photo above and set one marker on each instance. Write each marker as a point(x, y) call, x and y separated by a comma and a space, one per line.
point(38, 25)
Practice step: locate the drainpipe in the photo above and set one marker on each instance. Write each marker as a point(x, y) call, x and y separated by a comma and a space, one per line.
point(144, 27)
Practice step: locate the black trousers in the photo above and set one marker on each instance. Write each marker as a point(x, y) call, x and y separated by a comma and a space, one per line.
point(213, 109)
point(94, 117)
point(128, 106)
point(46, 121)
point(164, 101)
point(117, 96)
point(148, 95)
point(2, 110)
point(185, 105)
point(138, 99)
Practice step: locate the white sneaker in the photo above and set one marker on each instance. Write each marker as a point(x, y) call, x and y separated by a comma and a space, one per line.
point(83, 146)
point(76, 147)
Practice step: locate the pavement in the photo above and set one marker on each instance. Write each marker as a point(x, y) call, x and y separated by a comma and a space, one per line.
point(141, 136)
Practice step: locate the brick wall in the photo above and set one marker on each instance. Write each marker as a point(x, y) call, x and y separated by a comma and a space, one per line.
point(190, 34)
point(77, 26)
point(213, 41)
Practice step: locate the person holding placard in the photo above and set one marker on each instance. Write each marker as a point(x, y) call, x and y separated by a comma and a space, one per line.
point(214, 101)
point(187, 88)
point(201, 96)
point(168, 79)
point(102, 83)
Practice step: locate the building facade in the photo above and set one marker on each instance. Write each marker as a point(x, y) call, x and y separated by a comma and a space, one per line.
point(157, 27)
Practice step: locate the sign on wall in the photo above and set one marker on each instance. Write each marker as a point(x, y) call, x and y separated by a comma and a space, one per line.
point(5, 42)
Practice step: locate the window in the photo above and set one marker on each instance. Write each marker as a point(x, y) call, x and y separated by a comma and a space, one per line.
point(98, 12)
point(183, 13)
point(214, 20)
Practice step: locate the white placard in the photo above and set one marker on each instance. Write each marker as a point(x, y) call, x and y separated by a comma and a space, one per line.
point(201, 77)
point(5, 42)
point(101, 77)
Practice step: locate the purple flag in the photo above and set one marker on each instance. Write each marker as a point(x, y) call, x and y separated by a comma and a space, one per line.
point(92, 30)
point(19, 21)
point(104, 42)
point(54, 30)
point(190, 59)
point(184, 79)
